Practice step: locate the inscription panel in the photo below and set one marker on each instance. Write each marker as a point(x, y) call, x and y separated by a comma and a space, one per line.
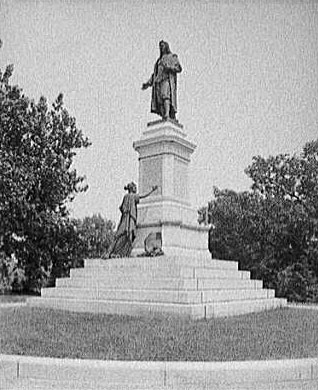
point(151, 174)
point(180, 176)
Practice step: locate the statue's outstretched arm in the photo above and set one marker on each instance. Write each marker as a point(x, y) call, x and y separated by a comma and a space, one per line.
point(148, 193)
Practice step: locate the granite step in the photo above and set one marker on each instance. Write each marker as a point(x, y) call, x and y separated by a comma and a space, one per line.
point(118, 307)
point(234, 295)
point(208, 284)
point(182, 272)
point(195, 311)
point(140, 283)
point(198, 287)
point(172, 296)
point(160, 261)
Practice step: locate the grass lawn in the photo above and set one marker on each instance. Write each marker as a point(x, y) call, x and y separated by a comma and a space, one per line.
point(277, 334)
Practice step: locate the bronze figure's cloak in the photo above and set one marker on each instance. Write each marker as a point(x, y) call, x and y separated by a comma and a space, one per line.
point(126, 231)
point(164, 82)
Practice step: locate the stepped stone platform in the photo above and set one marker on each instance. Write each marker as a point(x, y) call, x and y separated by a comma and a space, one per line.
point(198, 286)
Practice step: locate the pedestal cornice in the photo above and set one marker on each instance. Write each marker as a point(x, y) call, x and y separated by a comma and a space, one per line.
point(164, 144)
point(164, 138)
point(162, 122)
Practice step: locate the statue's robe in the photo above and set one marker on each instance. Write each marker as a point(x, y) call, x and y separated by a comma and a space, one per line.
point(164, 82)
point(126, 231)
point(128, 221)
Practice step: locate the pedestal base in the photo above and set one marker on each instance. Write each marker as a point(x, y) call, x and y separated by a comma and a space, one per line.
point(185, 280)
point(163, 285)
point(176, 225)
point(164, 157)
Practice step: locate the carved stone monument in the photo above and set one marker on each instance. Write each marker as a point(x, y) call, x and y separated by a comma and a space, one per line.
point(184, 280)
point(164, 159)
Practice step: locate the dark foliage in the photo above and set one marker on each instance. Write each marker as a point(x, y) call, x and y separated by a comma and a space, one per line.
point(37, 147)
point(273, 230)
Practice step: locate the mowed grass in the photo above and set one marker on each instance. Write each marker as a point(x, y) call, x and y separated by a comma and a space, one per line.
point(277, 334)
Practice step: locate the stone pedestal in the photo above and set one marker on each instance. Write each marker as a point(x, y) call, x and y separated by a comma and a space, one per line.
point(184, 281)
point(164, 158)
point(164, 285)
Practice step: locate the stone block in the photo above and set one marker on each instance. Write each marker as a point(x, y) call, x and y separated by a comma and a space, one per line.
point(239, 375)
point(204, 273)
point(47, 384)
point(112, 373)
point(228, 284)
point(160, 296)
point(105, 273)
point(234, 295)
point(129, 283)
point(8, 368)
point(279, 385)
point(177, 239)
point(154, 212)
point(49, 373)
point(164, 156)
point(197, 260)
point(194, 311)
point(171, 296)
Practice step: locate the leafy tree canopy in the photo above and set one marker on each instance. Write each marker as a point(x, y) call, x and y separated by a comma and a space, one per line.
point(96, 234)
point(273, 229)
point(82, 238)
point(288, 177)
point(37, 147)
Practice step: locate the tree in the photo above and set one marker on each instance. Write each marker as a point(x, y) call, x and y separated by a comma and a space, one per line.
point(37, 147)
point(96, 234)
point(273, 230)
point(289, 177)
point(81, 238)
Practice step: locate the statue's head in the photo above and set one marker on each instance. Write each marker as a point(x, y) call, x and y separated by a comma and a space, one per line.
point(164, 47)
point(131, 187)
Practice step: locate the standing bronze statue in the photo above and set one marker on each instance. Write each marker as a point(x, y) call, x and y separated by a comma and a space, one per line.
point(164, 83)
point(126, 231)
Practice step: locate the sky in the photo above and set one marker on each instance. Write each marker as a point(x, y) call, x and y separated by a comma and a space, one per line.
point(249, 84)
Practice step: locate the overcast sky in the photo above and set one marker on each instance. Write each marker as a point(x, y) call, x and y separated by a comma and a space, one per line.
point(249, 84)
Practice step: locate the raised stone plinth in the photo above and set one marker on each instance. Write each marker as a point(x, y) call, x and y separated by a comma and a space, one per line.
point(186, 281)
point(164, 157)
point(197, 287)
